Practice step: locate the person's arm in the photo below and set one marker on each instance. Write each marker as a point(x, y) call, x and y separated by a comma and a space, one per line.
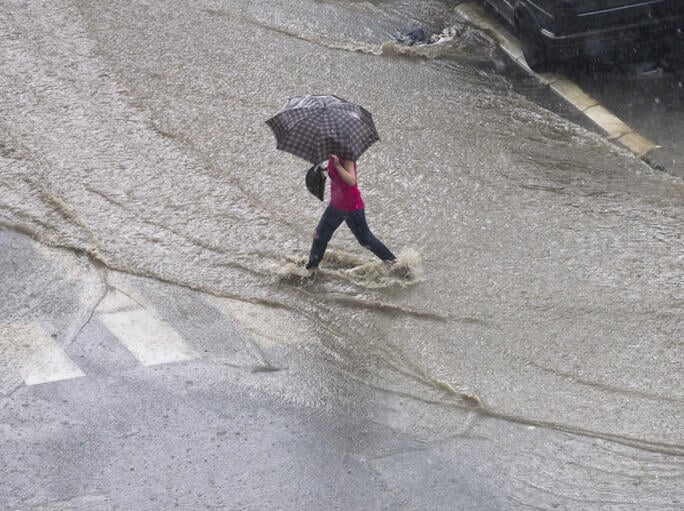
point(346, 172)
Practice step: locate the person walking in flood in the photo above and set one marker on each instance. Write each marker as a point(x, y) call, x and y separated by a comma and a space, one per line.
point(345, 205)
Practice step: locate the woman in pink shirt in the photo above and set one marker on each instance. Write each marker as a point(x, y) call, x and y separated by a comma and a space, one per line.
point(345, 205)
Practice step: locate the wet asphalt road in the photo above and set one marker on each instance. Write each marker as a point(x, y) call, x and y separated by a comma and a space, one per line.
point(231, 415)
point(220, 430)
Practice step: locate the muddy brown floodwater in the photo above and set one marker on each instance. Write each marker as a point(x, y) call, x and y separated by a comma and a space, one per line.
point(548, 262)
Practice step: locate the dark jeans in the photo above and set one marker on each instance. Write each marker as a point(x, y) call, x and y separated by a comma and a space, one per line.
point(356, 221)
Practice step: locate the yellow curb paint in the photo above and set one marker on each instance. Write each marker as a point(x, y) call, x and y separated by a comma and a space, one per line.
point(637, 144)
point(608, 122)
point(573, 94)
point(513, 49)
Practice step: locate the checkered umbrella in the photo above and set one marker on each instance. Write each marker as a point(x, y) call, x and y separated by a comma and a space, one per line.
point(314, 127)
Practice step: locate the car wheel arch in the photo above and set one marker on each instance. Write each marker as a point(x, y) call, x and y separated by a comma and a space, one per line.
point(522, 13)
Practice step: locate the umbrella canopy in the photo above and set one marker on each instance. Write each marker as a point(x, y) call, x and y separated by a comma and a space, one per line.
point(314, 127)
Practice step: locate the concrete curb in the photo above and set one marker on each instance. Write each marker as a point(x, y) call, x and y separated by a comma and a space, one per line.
point(614, 128)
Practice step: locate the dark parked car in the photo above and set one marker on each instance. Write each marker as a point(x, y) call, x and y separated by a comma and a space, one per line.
point(553, 31)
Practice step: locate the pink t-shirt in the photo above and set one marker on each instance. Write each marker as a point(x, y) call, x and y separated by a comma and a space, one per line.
point(343, 196)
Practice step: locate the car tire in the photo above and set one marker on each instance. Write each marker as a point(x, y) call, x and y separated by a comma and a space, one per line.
point(534, 49)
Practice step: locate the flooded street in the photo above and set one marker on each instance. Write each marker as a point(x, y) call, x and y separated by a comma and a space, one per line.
point(549, 263)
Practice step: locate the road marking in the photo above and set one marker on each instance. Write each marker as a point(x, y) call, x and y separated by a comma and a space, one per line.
point(149, 339)
point(613, 127)
point(35, 355)
point(272, 326)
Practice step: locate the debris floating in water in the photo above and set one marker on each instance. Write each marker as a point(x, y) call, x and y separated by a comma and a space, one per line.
point(418, 36)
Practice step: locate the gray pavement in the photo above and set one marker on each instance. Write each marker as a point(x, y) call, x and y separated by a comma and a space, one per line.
point(236, 422)
point(206, 433)
point(190, 436)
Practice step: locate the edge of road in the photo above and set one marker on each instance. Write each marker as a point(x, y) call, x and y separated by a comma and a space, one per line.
point(613, 127)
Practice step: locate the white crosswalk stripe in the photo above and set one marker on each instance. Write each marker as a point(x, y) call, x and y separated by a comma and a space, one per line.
point(28, 349)
point(149, 339)
point(35, 355)
point(270, 325)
